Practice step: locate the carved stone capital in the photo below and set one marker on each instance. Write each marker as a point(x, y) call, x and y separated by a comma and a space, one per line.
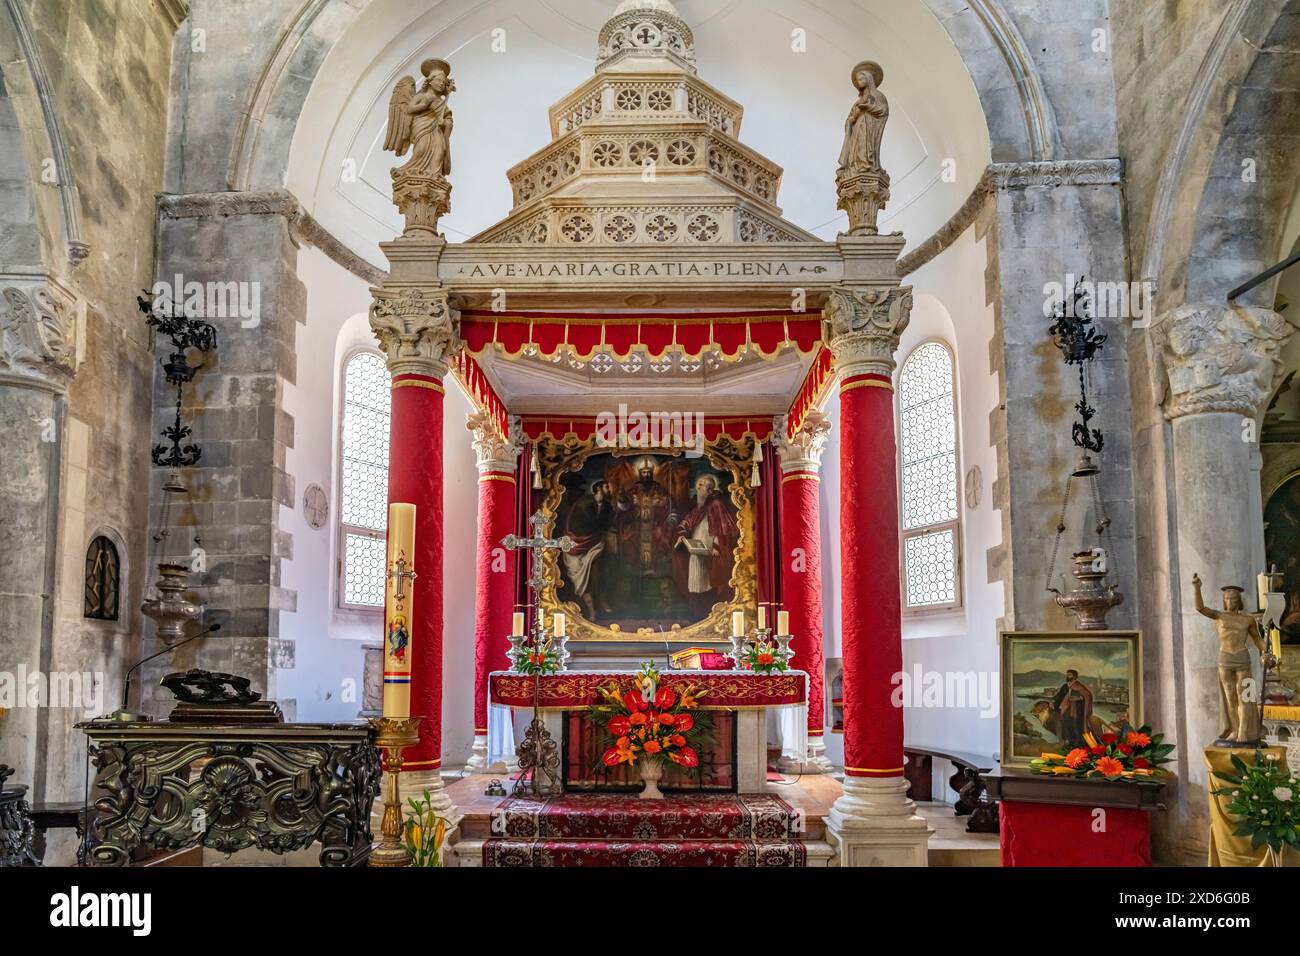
point(494, 453)
point(863, 327)
point(37, 333)
point(422, 200)
point(1218, 358)
point(803, 452)
point(417, 328)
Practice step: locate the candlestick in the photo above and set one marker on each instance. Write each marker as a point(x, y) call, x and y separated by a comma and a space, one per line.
point(783, 622)
point(398, 611)
point(394, 736)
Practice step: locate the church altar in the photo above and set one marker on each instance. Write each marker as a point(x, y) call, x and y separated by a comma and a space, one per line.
point(743, 694)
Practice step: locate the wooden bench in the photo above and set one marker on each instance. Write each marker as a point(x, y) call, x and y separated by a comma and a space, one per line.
point(966, 781)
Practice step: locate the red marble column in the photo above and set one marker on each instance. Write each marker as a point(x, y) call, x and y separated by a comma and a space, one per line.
point(801, 564)
point(494, 595)
point(415, 476)
point(870, 578)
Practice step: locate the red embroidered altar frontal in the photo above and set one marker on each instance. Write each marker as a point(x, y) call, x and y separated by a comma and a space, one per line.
point(725, 690)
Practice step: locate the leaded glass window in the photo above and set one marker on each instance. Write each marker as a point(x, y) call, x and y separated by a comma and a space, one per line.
point(363, 470)
point(929, 479)
point(103, 580)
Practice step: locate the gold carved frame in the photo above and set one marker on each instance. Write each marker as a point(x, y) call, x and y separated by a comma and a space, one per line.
point(557, 457)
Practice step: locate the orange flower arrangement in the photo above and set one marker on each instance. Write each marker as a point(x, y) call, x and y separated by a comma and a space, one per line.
point(647, 721)
point(1134, 756)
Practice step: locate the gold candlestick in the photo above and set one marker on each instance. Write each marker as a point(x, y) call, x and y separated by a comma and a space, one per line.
point(394, 734)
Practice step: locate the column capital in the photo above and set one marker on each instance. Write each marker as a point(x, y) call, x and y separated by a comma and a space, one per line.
point(38, 322)
point(803, 451)
point(1217, 358)
point(416, 327)
point(863, 326)
point(494, 453)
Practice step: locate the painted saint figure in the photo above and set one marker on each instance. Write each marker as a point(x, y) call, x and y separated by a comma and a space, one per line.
point(1237, 630)
point(587, 523)
point(398, 639)
point(1073, 704)
point(704, 547)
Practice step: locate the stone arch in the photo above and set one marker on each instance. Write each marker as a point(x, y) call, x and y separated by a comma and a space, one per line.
point(1209, 229)
point(27, 109)
point(1020, 118)
point(123, 555)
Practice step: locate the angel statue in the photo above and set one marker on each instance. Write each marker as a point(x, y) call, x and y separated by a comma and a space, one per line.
point(862, 181)
point(420, 120)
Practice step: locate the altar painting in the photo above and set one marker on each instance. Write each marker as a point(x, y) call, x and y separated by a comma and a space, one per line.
point(660, 542)
point(1056, 687)
point(1282, 550)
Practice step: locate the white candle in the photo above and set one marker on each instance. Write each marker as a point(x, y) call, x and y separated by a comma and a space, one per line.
point(783, 622)
point(399, 620)
point(737, 623)
point(762, 617)
point(517, 629)
point(558, 621)
point(1262, 584)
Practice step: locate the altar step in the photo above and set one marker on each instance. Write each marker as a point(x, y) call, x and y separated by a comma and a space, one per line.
point(619, 830)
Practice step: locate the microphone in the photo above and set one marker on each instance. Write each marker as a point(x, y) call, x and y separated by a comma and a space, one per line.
point(122, 714)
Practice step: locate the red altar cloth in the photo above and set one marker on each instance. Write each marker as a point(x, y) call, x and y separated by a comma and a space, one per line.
point(726, 690)
point(1047, 834)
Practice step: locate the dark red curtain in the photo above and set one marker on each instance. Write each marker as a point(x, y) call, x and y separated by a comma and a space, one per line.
point(767, 518)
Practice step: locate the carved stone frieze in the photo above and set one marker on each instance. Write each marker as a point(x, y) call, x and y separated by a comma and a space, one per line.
point(863, 327)
point(417, 329)
point(1060, 172)
point(37, 333)
point(1218, 358)
point(218, 205)
point(803, 450)
point(491, 451)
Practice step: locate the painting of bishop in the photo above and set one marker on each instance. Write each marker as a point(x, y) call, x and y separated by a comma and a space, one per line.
point(654, 540)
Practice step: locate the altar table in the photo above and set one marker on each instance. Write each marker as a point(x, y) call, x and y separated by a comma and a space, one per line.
point(746, 694)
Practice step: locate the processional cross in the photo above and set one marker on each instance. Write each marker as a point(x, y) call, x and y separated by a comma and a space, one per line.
point(539, 754)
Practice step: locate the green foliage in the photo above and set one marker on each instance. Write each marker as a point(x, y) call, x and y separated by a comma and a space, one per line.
point(1262, 798)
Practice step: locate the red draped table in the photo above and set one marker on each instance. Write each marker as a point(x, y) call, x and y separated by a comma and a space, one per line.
point(1067, 821)
point(746, 694)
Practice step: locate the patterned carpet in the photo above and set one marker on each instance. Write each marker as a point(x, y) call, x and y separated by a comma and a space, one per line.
point(742, 830)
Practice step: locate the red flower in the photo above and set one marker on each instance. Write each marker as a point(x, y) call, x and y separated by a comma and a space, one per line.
point(1109, 767)
point(1109, 738)
point(1125, 749)
point(685, 722)
point(633, 701)
point(637, 720)
point(612, 758)
point(678, 740)
point(1076, 758)
point(1141, 763)
point(1095, 751)
point(652, 746)
point(688, 757)
point(765, 659)
point(1135, 738)
point(665, 697)
point(668, 720)
point(618, 726)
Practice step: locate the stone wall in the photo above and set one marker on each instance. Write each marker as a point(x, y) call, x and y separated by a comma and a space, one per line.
point(88, 81)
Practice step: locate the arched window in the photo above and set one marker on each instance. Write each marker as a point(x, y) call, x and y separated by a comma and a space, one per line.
point(363, 470)
point(103, 580)
point(929, 480)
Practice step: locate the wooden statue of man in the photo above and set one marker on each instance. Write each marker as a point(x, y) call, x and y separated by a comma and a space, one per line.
point(1236, 630)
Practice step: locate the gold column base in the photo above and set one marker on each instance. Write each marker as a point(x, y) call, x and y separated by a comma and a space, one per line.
point(394, 735)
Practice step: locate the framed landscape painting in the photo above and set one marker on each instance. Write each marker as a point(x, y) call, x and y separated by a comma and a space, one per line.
point(1059, 685)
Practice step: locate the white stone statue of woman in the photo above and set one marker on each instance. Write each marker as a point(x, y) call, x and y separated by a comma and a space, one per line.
point(865, 126)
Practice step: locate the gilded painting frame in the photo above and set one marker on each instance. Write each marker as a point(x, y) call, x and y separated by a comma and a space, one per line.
point(558, 457)
point(1089, 645)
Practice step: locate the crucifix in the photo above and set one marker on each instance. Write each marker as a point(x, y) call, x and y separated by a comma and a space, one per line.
point(539, 754)
point(400, 576)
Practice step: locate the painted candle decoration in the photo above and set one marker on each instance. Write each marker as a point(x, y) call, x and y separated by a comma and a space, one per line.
point(398, 611)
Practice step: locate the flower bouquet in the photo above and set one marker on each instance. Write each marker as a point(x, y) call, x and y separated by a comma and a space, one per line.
point(1134, 756)
point(648, 724)
point(423, 833)
point(764, 657)
point(1262, 797)
point(530, 659)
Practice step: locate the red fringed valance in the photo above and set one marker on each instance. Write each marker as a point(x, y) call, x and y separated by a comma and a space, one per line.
point(810, 392)
point(695, 333)
point(481, 391)
point(536, 427)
